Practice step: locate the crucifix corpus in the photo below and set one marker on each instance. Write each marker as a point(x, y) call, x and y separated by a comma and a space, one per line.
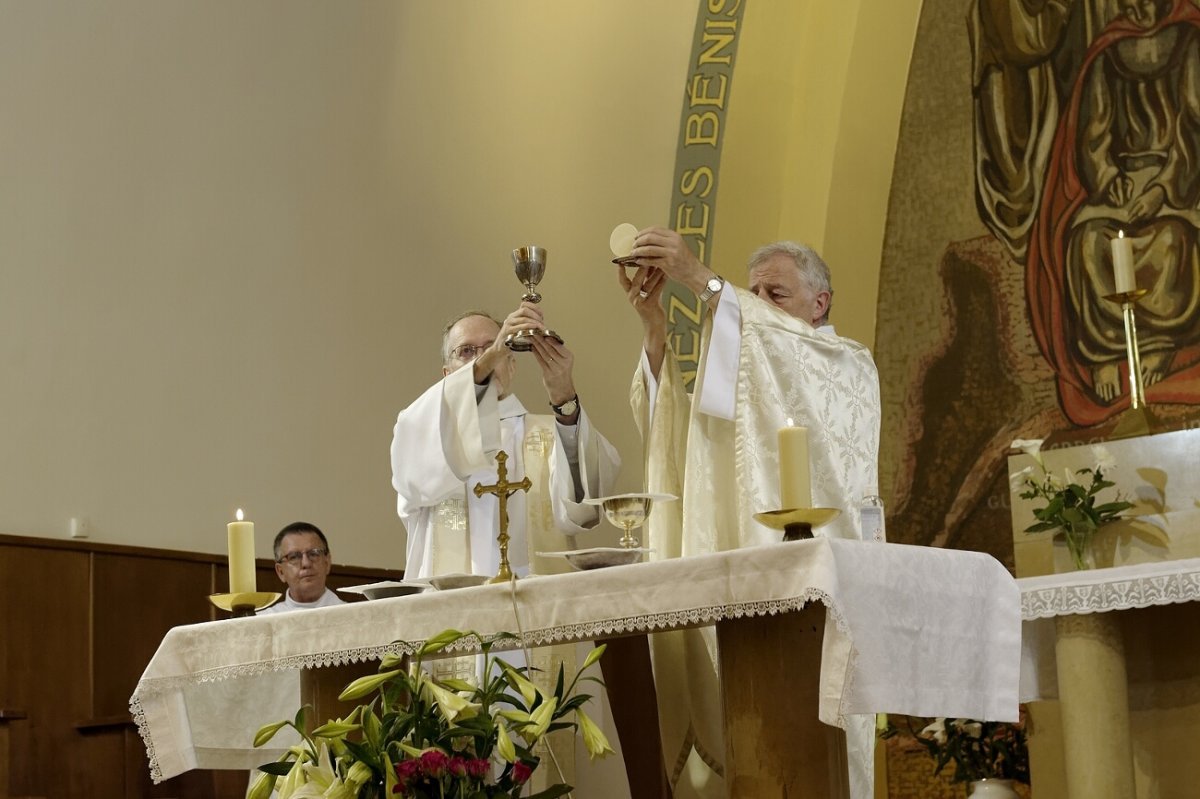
point(503, 490)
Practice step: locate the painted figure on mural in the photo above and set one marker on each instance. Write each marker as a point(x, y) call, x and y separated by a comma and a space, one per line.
point(1123, 157)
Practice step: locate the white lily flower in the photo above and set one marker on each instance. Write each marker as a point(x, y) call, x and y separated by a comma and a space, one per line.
point(1030, 446)
point(504, 743)
point(263, 787)
point(292, 781)
point(321, 772)
point(594, 738)
point(1017, 479)
point(541, 718)
point(937, 729)
point(451, 705)
point(1104, 458)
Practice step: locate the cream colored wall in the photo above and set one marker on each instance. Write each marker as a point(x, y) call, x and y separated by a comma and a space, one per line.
point(230, 232)
point(811, 140)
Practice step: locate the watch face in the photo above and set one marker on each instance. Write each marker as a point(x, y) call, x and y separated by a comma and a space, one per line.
point(567, 408)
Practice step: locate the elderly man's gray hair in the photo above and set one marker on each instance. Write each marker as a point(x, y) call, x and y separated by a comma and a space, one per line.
point(813, 270)
point(450, 325)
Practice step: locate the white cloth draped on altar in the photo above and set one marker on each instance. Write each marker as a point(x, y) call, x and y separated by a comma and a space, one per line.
point(912, 630)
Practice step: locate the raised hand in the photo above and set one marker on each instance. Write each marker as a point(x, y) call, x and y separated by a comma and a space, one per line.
point(666, 250)
point(557, 363)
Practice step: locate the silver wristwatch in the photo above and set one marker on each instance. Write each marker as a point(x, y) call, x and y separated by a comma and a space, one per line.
point(568, 408)
point(712, 288)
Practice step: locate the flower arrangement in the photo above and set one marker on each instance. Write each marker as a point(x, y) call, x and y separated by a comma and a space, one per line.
point(980, 750)
point(423, 738)
point(1070, 506)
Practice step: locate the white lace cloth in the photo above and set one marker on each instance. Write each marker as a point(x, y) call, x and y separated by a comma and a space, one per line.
point(913, 630)
point(1091, 591)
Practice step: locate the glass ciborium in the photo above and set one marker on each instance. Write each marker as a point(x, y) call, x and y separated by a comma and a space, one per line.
point(628, 512)
point(530, 265)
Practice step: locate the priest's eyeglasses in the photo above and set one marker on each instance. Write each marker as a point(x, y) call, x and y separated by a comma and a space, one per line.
point(294, 558)
point(469, 352)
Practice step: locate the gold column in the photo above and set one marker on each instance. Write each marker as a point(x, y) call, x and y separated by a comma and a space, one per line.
point(1094, 699)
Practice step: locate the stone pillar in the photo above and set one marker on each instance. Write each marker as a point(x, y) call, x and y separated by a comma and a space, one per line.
point(1094, 699)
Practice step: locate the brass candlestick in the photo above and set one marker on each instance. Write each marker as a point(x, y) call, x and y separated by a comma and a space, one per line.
point(245, 603)
point(797, 524)
point(1137, 420)
point(503, 490)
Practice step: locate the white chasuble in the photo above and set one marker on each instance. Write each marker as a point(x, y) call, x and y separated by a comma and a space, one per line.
point(443, 445)
point(725, 469)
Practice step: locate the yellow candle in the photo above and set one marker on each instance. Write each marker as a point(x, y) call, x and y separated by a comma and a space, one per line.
point(1122, 257)
point(795, 484)
point(241, 556)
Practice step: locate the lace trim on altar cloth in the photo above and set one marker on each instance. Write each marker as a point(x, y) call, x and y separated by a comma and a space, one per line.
point(673, 620)
point(1102, 590)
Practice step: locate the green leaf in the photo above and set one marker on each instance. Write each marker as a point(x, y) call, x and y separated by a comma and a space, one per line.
point(372, 728)
point(1073, 515)
point(364, 754)
point(279, 769)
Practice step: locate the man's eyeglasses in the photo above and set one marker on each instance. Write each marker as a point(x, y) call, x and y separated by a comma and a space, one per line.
point(469, 352)
point(294, 558)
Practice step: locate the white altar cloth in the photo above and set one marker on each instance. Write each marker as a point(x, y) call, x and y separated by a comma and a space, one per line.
point(1141, 585)
point(917, 630)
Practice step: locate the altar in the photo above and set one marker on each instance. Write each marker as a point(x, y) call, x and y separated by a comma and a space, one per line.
point(913, 630)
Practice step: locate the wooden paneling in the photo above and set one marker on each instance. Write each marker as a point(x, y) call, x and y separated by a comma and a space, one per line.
point(137, 600)
point(45, 599)
point(78, 623)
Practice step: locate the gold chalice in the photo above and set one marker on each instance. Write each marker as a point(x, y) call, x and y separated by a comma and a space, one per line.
point(628, 512)
point(530, 265)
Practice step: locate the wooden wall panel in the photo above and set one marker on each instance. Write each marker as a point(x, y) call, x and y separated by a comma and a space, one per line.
point(78, 624)
point(44, 602)
point(138, 599)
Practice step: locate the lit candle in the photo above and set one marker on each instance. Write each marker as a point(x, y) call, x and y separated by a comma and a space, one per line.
point(795, 485)
point(1122, 256)
point(241, 556)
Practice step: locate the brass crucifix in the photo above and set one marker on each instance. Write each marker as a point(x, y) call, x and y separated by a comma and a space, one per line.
point(503, 490)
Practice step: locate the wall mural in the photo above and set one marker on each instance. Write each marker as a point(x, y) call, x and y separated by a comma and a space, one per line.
point(1084, 119)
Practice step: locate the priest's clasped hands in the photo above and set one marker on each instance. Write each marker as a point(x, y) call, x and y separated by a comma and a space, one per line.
point(555, 360)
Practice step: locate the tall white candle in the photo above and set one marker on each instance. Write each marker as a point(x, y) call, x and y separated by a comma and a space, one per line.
point(241, 556)
point(795, 483)
point(1122, 257)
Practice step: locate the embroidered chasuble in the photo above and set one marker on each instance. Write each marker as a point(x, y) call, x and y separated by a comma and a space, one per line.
point(442, 446)
point(772, 368)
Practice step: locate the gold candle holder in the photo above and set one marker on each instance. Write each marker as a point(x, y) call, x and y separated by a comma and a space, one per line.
point(245, 603)
point(797, 524)
point(1137, 420)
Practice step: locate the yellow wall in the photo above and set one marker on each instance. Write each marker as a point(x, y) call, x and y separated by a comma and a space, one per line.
point(811, 139)
point(230, 232)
